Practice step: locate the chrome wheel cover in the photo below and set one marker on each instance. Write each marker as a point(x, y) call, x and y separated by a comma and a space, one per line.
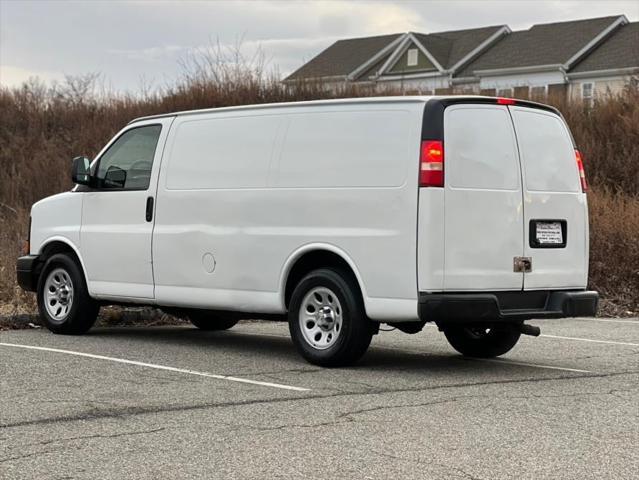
point(320, 318)
point(58, 294)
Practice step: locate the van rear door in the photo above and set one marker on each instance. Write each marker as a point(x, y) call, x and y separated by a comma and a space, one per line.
point(483, 219)
point(555, 208)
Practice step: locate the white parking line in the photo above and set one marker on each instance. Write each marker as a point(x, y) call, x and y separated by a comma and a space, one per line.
point(158, 367)
point(592, 340)
point(495, 360)
point(536, 365)
point(580, 339)
point(608, 320)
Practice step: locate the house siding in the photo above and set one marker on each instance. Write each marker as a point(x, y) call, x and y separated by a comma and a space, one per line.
point(601, 85)
point(531, 79)
point(417, 85)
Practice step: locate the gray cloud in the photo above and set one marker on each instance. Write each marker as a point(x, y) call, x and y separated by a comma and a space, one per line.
point(130, 40)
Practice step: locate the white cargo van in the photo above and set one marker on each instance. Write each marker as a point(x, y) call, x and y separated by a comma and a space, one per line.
point(469, 212)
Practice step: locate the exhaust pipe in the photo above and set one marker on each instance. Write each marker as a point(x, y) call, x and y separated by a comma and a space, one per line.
point(531, 330)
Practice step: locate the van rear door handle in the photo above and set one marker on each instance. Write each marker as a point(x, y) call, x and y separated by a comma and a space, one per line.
point(149, 209)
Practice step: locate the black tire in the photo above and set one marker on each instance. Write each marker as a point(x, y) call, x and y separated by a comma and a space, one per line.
point(356, 330)
point(82, 310)
point(205, 320)
point(482, 342)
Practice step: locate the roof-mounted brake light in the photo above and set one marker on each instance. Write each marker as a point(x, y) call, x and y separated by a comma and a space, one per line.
point(505, 101)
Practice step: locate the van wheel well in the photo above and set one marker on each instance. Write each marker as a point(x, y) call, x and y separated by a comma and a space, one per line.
point(54, 248)
point(311, 261)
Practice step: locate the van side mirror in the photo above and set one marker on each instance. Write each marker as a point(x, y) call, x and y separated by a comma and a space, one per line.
point(81, 171)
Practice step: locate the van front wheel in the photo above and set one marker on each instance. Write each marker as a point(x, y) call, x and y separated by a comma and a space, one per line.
point(327, 320)
point(482, 342)
point(63, 299)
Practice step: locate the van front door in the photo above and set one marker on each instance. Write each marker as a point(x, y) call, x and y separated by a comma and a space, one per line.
point(482, 200)
point(118, 212)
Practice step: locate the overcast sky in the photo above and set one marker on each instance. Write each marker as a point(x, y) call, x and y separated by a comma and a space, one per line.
point(135, 42)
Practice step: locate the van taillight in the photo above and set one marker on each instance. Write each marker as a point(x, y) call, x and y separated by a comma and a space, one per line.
point(431, 172)
point(582, 172)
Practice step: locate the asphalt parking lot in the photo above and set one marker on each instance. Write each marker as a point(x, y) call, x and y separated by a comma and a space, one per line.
point(175, 402)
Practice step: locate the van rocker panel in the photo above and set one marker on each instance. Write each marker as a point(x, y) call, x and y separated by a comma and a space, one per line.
point(507, 306)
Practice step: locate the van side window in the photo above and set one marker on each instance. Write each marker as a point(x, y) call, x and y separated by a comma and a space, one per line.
point(127, 164)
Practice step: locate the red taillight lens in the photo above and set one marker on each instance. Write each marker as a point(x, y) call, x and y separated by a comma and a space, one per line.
point(505, 101)
point(432, 164)
point(582, 172)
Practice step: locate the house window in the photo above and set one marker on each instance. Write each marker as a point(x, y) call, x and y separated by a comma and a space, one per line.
point(505, 92)
point(412, 57)
point(587, 91)
point(538, 92)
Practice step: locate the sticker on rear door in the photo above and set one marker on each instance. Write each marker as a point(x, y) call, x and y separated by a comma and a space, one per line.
point(547, 233)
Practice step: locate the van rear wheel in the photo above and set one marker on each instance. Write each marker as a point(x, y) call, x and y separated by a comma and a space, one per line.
point(63, 298)
point(205, 320)
point(327, 320)
point(482, 341)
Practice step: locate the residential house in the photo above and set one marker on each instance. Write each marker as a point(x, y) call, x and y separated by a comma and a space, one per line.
point(581, 57)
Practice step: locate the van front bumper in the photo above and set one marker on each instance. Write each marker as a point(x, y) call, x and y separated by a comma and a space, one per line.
point(491, 307)
point(27, 270)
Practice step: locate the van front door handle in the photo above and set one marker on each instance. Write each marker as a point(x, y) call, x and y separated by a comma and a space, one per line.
point(149, 209)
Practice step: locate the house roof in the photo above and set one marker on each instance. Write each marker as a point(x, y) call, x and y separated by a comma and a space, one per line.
point(578, 46)
point(620, 50)
point(448, 48)
point(343, 57)
point(543, 44)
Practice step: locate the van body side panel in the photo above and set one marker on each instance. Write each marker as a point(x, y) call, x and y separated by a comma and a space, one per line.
point(552, 192)
point(241, 192)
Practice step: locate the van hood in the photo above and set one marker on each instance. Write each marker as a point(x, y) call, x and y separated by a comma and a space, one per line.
point(53, 199)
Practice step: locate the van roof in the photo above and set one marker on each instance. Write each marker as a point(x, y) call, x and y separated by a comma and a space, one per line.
point(346, 101)
point(339, 101)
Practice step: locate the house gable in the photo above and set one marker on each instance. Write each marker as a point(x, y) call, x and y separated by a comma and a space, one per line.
point(411, 60)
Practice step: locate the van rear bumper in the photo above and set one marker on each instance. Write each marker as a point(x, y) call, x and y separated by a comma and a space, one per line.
point(473, 307)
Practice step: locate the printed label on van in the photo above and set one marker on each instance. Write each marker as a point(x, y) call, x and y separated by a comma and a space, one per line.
point(549, 233)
